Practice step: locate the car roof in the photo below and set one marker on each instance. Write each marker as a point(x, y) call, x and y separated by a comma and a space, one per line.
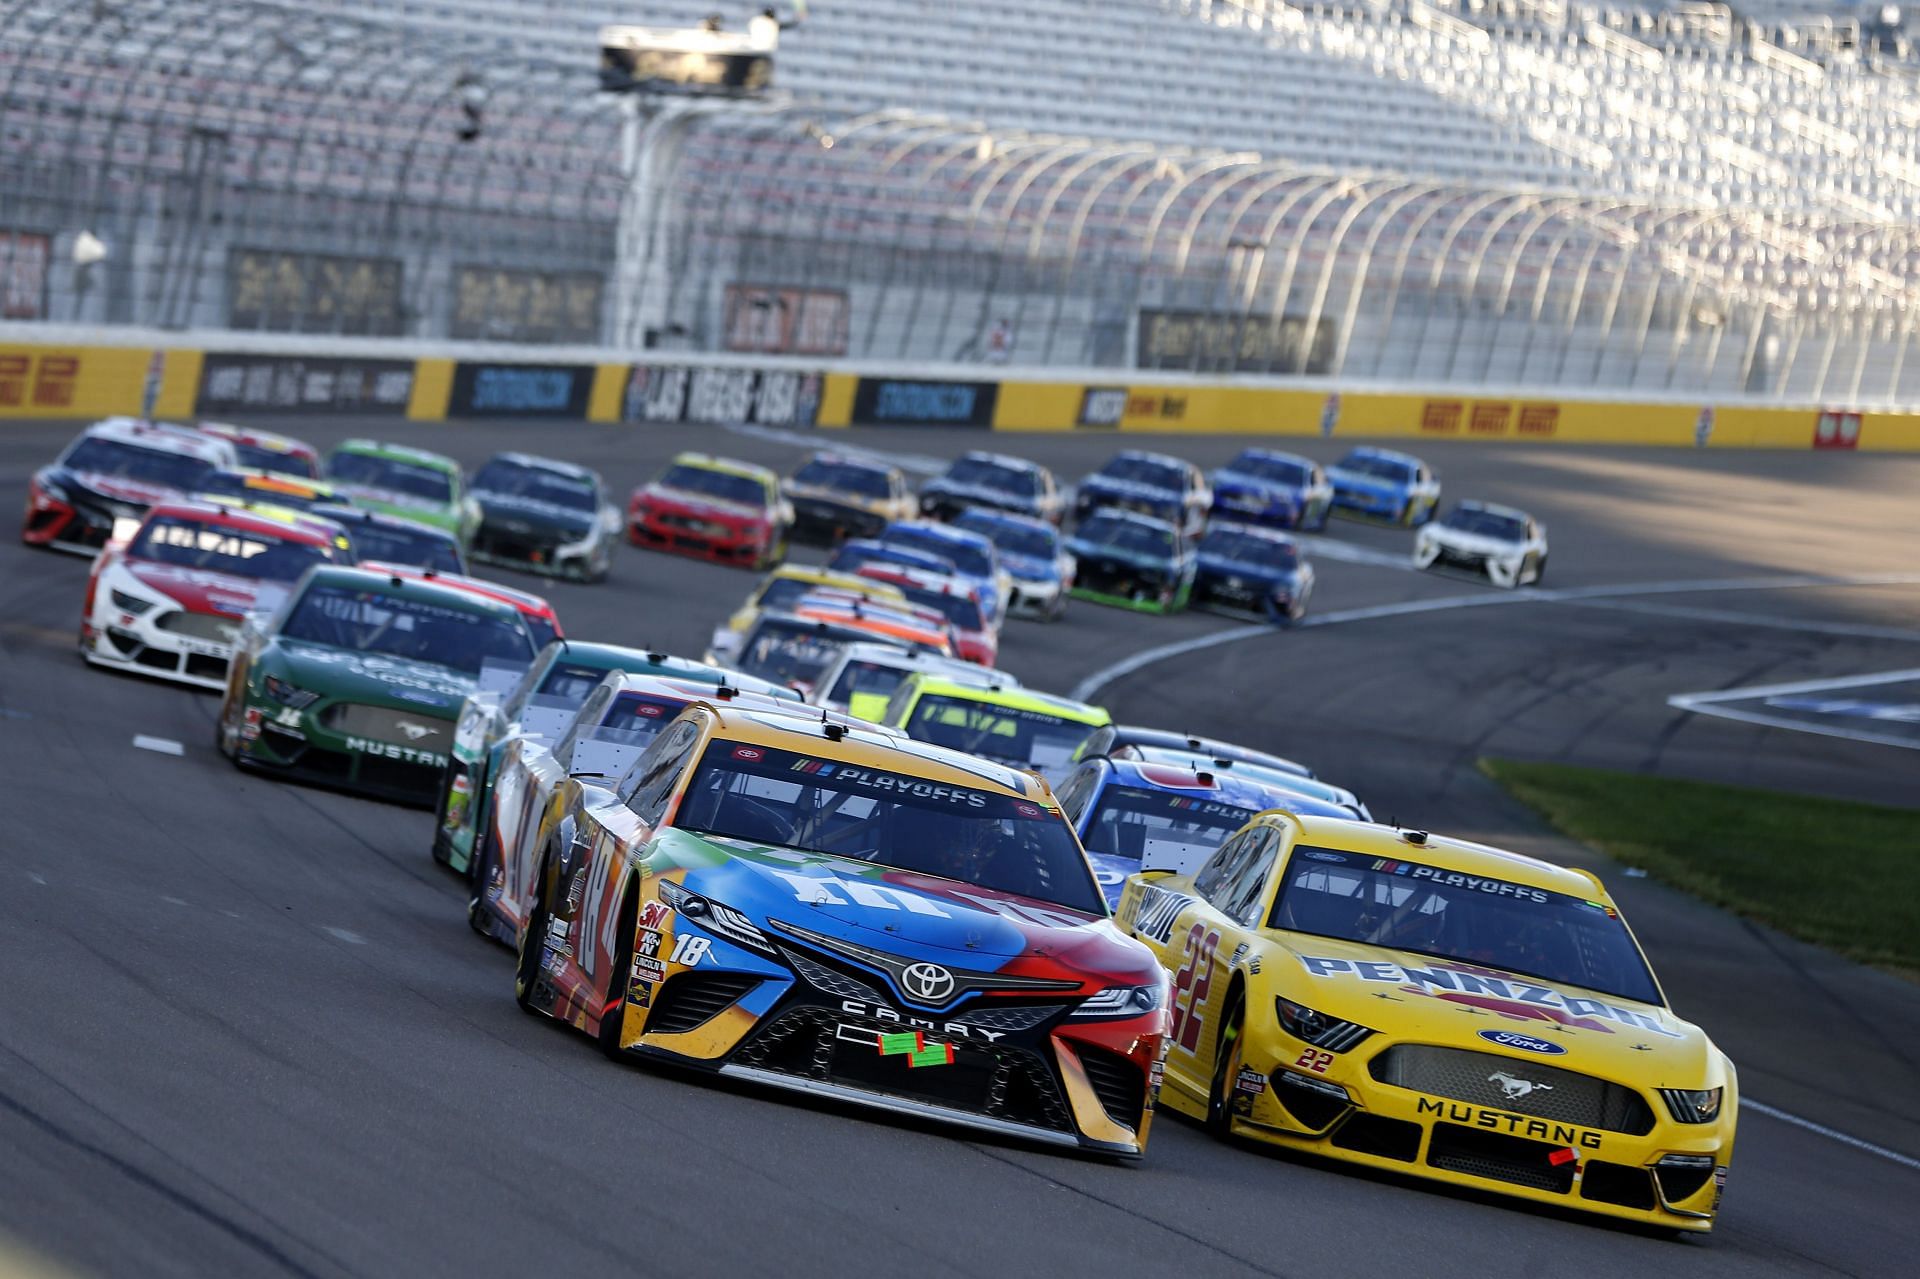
point(817, 575)
point(909, 620)
point(418, 587)
point(1391, 455)
point(525, 601)
point(261, 477)
point(1010, 696)
point(256, 438)
point(291, 525)
point(1131, 517)
point(876, 748)
point(350, 515)
point(918, 578)
point(725, 465)
point(919, 659)
point(946, 532)
point(164, 437)
point(859, 460)
point(398, 453)
point(1270, 455)
point(568, 469)
point(1148, 455)
point(1259, 531)
point(1125, 734)
point(1227, 787)
point(989, 515)
point(1001, 459)
point(1442, 852)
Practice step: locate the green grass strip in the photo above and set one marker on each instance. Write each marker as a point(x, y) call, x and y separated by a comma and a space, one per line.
point(1841, 875)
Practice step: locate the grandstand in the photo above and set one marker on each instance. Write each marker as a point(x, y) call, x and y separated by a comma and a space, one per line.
point(1677, 197)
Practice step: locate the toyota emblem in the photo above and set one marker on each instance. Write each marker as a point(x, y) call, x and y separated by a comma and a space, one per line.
point(927, 983)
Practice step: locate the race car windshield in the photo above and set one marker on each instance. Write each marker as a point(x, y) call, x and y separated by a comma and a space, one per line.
point(247, 488)
point(1466, 519)
point(1016, 539)
point(1277, 469)
point(1007, 734)
point(512, 479)
point(844, 477)
point(850, 558)
point(393, 625)
point(722, 486)
point(1128, 535)
point(1142, 470)
point(870, 678)
point(1246, 548)
point(961, 611)
point(395, 543)
point(787, 652)
point(1383, 468)
point(635, 719)
point(1468, 919)
point(408, 479)
point(543, 629)
point(265, 459)
point(1131, 822)
point(196, 544)
point(971, 559)
point(116, 460)
point(910, 823)
point(994, 475)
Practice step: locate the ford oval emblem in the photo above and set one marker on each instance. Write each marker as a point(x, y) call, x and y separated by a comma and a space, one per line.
point(1525, 1043)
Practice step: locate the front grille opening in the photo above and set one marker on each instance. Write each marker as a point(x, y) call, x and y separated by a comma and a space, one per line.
point(1620, 1184)
point(1120, 1085)
point(1682, 1183)
point(1312, 1110)
point(201, 666)
point(1498, 1157)
point(1519, 1087)
point(689, 1001)
point(1380, 1136)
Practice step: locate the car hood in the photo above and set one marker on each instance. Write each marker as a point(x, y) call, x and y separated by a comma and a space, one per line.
point(1132, 490)
point(200, 591)
point(402, 504)
point(1370, 483)
point(1241, 482)
point(375, 679)
point(114, 488)
point(512, 508)
point(979, 493)
point(1237, 568)
point(1083, 550)
point(700, 505)
point(1412, 997)
point(919, 916)
point(1030, 568)
point(1472, 543)
point(839, 497)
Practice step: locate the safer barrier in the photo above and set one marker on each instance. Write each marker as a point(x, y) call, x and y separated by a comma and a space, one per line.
point(82, 379)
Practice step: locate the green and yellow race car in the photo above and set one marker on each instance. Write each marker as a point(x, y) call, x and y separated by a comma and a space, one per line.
point(414, 483)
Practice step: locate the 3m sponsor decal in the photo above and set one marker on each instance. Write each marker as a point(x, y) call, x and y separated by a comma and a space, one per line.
point(668, 393)
point(289, 383)
point(1506, 995)
point(654, 914)
point(1441, 417)
point(1513, 1125)
point(774, 320)
point(1102, 406)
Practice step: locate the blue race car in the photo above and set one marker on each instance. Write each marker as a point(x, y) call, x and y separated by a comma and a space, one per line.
point(1244, 569)
point(1132, 561)
point(973, 555)
point(1034, 555)
point(1155, 484)
point(856, 553)
point(1384, 484)
point(1124, 810)
point(1262, 486)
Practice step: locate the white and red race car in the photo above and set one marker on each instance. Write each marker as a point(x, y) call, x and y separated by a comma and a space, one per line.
point(103, 483)
point(168, 600)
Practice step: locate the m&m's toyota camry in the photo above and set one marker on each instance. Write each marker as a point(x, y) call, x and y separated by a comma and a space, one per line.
point(829, 908)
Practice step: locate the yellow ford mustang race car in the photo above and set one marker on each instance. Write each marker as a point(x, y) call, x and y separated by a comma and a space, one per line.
point(1438, 1008)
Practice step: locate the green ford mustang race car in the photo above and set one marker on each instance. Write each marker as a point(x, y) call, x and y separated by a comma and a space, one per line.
point(541, 704)
point(357, 680)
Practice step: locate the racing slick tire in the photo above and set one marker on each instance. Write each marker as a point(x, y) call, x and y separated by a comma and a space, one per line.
point(619, 977)
point(479, 869)
point(1226, 1068)
point(226, 730)
point(533, 940)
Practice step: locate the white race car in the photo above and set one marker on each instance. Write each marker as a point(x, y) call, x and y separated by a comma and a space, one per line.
point(1509, 547)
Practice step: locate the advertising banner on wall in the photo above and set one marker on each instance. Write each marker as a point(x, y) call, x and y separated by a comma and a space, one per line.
point(520, 390)
point(492, 305)
point(312, 293)
point(23, 275)
point(881, 401)
point(1209, 342)
point(303, 383)
point(770, 320)
point(676, 393)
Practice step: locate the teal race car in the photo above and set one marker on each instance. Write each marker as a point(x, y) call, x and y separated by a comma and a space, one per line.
point(539, 704)
point(357, 680)
point(412, 483)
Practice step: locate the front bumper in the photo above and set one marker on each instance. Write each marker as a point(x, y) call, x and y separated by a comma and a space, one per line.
point(166, 643)
point(83, 526)
point(1501, 570)
point(699, 538)
point(823, 522)
point(1035, 598)
point(1257, 508)
point(298, 746)
point(1383, 504)
point(556, 554)
point(1538, 1156)
point(1241, 596)
point(1125, 586)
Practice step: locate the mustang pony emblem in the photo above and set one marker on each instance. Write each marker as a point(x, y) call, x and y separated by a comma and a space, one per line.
point(1515, 1087)
point(413, 731)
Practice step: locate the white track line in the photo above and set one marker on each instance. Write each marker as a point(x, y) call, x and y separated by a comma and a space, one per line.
point(1092, 684)
point(1708, 704)
point(1853, 630)
point(1831, 1134)
point(159, 745)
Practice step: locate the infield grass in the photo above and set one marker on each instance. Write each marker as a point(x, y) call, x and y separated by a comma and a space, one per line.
point(1842, 875)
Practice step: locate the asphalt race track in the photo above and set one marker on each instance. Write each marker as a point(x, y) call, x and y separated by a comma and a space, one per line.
point(245, 1029)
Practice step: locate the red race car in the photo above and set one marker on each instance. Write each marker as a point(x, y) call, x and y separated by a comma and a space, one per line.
point(103, 483)
point(168, 601)
point(715, 509)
